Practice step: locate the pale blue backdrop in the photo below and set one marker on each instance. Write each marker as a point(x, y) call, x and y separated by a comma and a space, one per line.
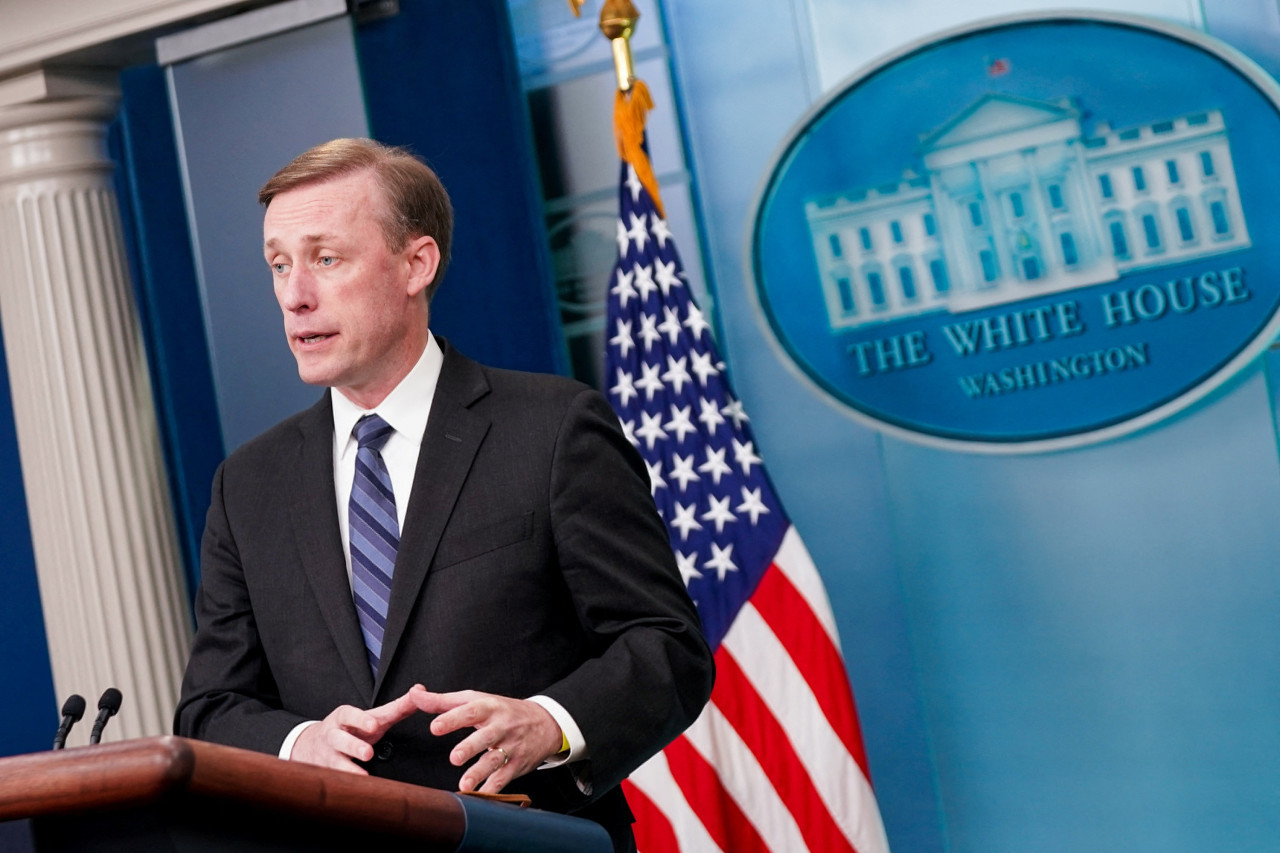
point(1066, 651)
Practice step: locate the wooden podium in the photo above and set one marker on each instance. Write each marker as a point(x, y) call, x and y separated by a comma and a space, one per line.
point(173, 794)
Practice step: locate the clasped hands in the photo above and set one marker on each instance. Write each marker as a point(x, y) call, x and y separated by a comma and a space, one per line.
point(511, 736)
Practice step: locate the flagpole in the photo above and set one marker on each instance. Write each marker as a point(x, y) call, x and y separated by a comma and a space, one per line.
point(618, 21)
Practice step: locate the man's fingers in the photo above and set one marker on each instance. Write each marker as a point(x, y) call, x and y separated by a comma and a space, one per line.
point(349, 733)
point(396, 710)
point(348, 744)
point(491, 769)
point(337, 739)
point(440, 703)
point(524, 730)
point(473, 744)
point(496, 782)
point(353, 720)
point(477, 710)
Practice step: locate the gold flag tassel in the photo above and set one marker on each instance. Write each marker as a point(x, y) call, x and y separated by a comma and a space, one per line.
point(629, 110)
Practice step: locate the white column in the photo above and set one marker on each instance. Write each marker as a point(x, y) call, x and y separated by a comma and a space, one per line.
point(102, 523)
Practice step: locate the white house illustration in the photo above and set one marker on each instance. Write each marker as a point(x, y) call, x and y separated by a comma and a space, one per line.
point(1016, 202)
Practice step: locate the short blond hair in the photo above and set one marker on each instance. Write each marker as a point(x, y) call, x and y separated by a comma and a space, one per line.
point(417, 203)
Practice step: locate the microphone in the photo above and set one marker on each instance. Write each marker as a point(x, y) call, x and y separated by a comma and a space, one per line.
point(72, 711)
point(107, 707)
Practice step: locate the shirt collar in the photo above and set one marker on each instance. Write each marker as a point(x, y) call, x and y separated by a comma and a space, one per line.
point(406, 408)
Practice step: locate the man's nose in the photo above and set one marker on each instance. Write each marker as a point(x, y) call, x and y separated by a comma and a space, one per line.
point(296, 292)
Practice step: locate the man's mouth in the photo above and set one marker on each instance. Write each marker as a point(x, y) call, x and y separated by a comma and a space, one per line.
point(311, 339)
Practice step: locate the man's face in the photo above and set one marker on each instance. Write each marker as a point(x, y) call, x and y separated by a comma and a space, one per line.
point(353, 310)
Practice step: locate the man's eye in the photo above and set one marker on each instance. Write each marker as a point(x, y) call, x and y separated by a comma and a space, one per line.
point(279, 269)
point(328, 261)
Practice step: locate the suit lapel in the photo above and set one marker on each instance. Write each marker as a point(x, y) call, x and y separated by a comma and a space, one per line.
point(449, 445)
point(315, 529)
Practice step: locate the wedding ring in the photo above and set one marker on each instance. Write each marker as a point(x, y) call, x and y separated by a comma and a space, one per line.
point(505, 755)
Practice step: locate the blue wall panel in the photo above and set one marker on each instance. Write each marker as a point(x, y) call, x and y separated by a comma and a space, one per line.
point(149, 186)
point(241, 114)
point(441, 77)
point(28, 708)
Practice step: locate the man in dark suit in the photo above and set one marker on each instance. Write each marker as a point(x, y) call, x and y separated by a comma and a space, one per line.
point(441, 573)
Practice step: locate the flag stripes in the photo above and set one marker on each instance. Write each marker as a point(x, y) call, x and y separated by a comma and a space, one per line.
point(712, 790)
point(793, 560)
point(654, 781)
point(745, 781)
point(819, 662)
point(745, 710)
point(659, 833)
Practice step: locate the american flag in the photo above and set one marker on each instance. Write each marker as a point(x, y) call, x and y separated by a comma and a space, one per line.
point(775, 762)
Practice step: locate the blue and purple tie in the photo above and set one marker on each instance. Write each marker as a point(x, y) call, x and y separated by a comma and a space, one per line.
point(375, 534)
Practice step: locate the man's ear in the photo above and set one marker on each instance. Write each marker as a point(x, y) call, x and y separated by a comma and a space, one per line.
point(423, 255)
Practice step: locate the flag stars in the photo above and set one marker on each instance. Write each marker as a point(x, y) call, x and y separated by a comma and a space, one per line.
point(644, 280)
point(682, 469)
point(688, 566)
point(624, 389)
point(710, 415)
point(655, 477)
point(632, 183)
point(721, 560)
point(637, 232)
point(649, 383)
point(661, 351)
point(649, 331)
point(752, 504)
point(719, 513)
point(677, 374)
point(685, 521)
point(623, 340)
point(679, 423)
point(623, 238)
point(658, 228)
point(651, 430)
point(665, 275)
point(670, 325)
point(734, 411)
point(623, 289)
point(745, 455)
point(696, 322)
point(715, 465)
point(703, 367)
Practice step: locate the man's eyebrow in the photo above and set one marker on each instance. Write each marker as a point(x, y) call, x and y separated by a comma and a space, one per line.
point(307, 238)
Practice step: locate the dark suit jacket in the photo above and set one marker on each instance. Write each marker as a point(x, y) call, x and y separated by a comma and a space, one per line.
point(532, 561)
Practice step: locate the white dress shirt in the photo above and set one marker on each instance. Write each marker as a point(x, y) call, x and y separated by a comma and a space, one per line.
point(406, 409)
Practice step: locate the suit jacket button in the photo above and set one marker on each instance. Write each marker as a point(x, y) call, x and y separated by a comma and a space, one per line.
point(383, 750)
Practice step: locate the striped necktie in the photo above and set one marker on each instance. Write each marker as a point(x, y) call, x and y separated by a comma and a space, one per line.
point(375, 534)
